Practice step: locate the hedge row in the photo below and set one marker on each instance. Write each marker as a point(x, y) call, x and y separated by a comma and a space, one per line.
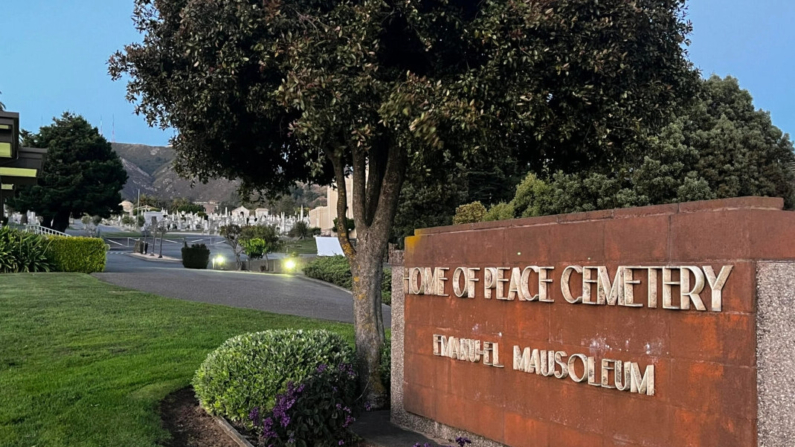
point(77, 254)
point(337, 270)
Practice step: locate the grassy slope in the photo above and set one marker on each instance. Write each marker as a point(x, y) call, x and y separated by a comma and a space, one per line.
point(84, 363)
point(301, 246)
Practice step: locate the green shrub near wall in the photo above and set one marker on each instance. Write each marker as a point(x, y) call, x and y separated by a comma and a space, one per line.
point(337, 270)
point(77, 254)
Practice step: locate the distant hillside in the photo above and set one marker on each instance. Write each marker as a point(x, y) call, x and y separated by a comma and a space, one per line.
point(148, 158)
point(137, 180)
point(170, 186)
point(149, 170)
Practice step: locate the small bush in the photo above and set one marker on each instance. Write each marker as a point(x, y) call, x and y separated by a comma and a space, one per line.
point(337, 270)
point(197, 256)
point(23, 252)
point(77, 254)
point(249, 370)
point(500, 211)
point(469, 213)
point(317, 412)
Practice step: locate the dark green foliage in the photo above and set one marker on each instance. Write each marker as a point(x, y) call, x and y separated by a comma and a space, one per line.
point(197, 256)
point(720, 147)
point(81, 174)
point(300, 230)
point(349, 224)
point(190, 208)
point(259, 240)
point(23, 252)
point(500, 211)
point(469, 213)
point(337, 270)
point(333, 269)
point(316, 412)
point(77, 254)
point(249, 370)
point(425, 204)
point(386, 363)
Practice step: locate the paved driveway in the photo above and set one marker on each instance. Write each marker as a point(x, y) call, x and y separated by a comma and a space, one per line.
point(284, 294)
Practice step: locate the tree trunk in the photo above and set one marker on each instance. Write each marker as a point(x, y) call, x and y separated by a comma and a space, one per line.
point(367, 272)
point(374, 202)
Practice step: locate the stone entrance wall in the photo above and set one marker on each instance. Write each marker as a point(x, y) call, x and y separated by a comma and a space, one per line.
point(721, 375)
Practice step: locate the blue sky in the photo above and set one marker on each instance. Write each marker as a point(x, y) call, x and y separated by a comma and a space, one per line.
point(53, 56)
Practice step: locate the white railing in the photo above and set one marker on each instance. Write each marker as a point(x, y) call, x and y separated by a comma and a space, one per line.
point(38, 229)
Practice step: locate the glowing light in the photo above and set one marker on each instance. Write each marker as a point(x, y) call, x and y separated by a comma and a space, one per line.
point(219, 260)
point(289, 264)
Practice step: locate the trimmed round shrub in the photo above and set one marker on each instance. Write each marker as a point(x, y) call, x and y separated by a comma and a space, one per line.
point(197, 256)
point(249, 370)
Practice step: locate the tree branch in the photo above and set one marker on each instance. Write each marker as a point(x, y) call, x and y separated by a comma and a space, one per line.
point(375, 179)
point(359, 189)
point(394, 174)
point(342, 206)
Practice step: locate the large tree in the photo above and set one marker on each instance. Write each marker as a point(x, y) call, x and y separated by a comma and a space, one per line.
point(278, 91)
point(81, 175)
point(720, 147)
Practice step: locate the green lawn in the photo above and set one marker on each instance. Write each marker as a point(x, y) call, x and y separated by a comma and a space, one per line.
point(304, 246)
point(84, 363)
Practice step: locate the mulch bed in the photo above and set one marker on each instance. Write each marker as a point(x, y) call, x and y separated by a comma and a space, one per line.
point(189, 424)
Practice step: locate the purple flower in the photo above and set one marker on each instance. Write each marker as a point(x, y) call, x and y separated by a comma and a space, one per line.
point(367, 406)
point(341, 442)
point(322, 367)
point(267, 428)
point(462, 441)
point(346, 368)
point(254, 416)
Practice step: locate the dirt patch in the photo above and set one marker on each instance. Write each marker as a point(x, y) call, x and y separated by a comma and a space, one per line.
point(189, 424)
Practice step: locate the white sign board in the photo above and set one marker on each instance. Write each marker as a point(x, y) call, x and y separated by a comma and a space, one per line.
point(328, 246)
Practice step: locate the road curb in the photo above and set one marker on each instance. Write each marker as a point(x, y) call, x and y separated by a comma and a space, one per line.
point(154, 259)
point(324, 283)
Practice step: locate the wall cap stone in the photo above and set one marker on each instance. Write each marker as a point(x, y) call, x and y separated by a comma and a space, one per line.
point(737, 203)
